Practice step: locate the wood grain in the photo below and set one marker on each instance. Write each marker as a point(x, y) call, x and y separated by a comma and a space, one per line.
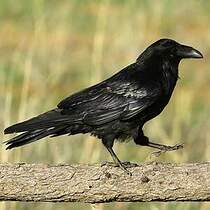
point(95, 183)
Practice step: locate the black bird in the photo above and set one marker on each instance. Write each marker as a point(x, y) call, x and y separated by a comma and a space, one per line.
point(116, 108)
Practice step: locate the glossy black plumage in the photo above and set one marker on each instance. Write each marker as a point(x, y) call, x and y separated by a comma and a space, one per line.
point(116, 108)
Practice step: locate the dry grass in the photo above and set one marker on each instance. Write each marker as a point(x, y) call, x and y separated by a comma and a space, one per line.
point(49, 49)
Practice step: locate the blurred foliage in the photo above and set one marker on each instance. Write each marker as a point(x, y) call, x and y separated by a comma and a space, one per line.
point(50, 49)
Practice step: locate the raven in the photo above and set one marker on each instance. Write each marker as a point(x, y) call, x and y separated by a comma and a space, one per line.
point(116, 108)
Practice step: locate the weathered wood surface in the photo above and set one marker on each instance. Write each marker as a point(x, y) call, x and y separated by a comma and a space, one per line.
point(93, 183)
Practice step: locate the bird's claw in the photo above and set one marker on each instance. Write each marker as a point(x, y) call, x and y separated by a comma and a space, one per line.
point(123, 166)
point(165, 148)
point(106, 163)
point(126, 164)
point(175, 147)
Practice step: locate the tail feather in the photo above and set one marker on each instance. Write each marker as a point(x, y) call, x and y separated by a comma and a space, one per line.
point(50, 119)
point(31, 136)
point(21, 137)
point(47, 124)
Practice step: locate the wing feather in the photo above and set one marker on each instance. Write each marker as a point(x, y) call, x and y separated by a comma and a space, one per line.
point(103, 104)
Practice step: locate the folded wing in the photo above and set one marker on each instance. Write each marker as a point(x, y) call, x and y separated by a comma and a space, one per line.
point(102, 104)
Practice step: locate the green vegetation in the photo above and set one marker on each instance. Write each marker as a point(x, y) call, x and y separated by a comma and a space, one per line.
point(49, 49)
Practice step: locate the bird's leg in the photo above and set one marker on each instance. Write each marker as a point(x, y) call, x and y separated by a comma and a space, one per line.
point(143, 140)
point(108, 145)
point(163, 147)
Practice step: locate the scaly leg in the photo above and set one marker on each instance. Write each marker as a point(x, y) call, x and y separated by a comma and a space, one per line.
point(108, 145)
point(143, 140)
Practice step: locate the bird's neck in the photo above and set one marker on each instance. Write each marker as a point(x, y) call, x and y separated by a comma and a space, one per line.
point(171, 67)
point(170, 75)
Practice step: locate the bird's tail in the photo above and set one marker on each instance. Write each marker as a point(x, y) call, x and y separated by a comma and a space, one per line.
point(47, 124)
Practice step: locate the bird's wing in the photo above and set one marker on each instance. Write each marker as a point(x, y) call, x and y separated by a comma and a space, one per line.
point(101, 104)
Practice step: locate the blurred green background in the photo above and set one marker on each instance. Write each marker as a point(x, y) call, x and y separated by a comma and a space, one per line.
point(50, 49)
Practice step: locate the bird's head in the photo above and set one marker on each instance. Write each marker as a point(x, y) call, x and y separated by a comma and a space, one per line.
point(171, 50)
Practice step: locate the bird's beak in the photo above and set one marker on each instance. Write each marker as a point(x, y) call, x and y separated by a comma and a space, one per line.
point(188, 52)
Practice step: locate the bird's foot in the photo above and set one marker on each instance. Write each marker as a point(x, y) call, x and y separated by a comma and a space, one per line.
point(165, 148)
point(122, 165)
point(126, 164)
point(106, 163)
